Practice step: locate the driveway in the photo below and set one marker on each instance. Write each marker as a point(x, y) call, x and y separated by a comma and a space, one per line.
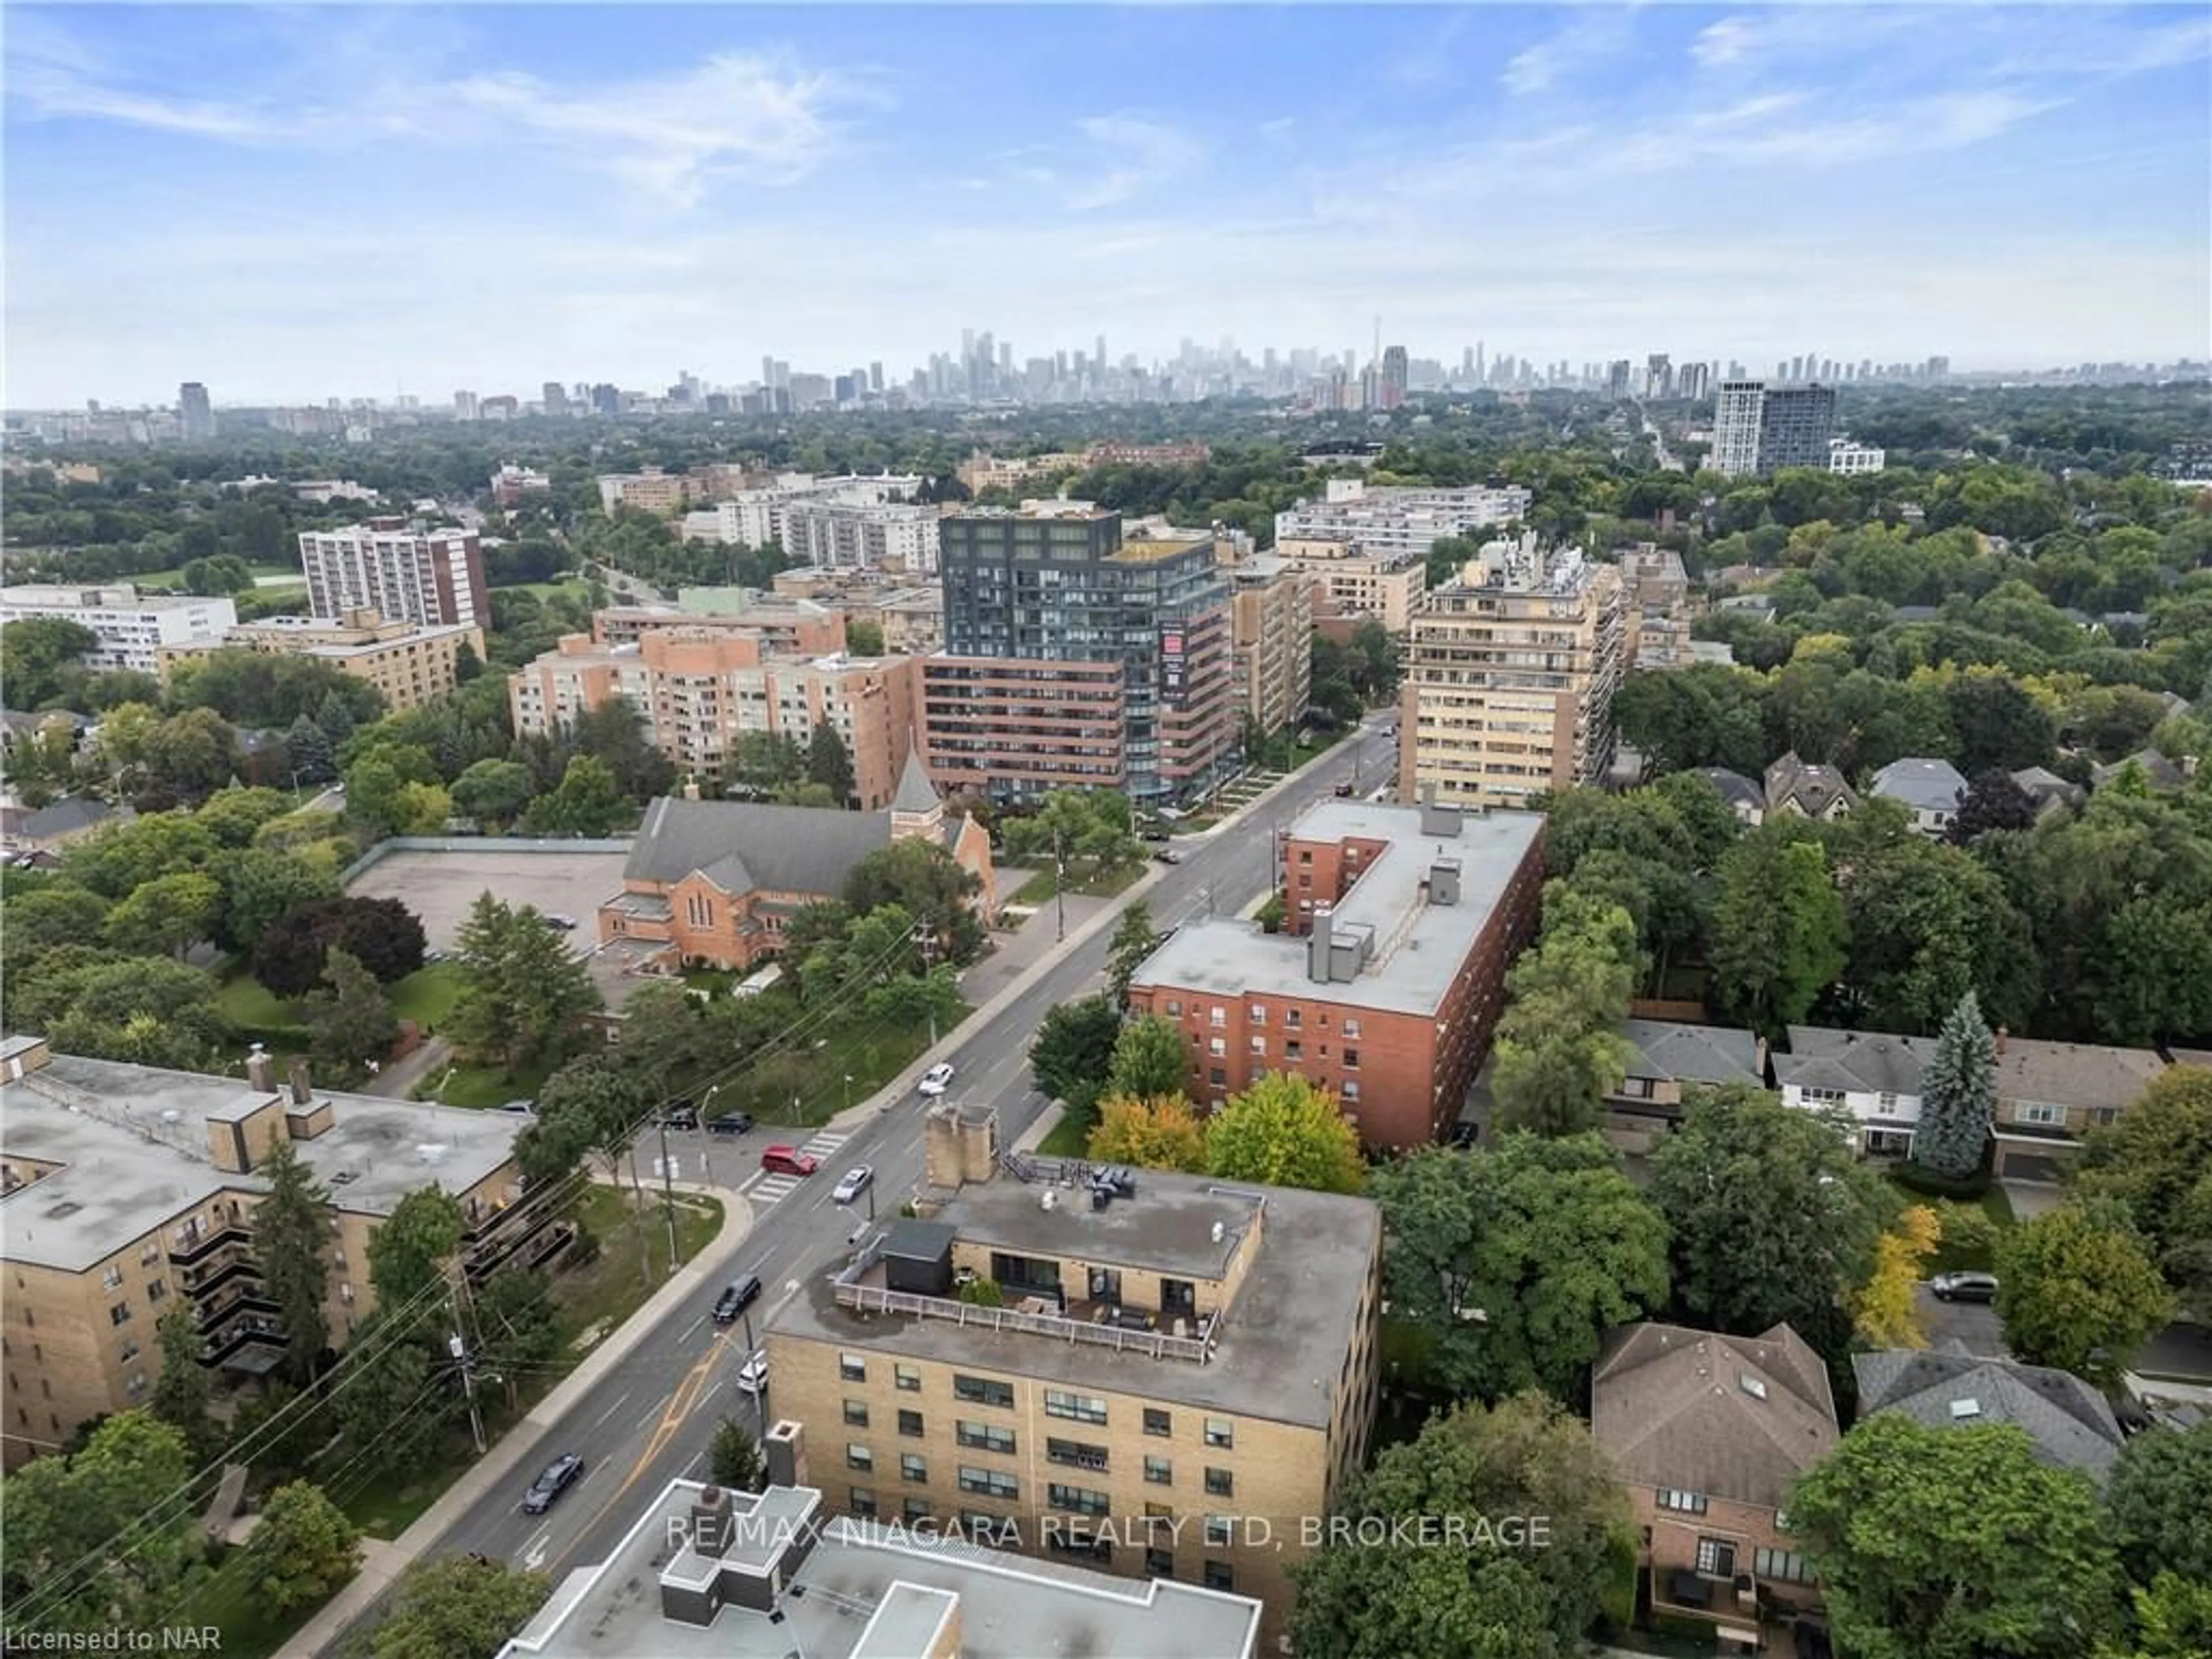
point(1974, 1323)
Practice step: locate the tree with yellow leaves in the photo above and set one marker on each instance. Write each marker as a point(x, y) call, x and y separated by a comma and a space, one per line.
point(1159, 1132)
point(1882, 1312)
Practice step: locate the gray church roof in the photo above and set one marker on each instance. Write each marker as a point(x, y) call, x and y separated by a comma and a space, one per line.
point(915, 791)
point(747, 847)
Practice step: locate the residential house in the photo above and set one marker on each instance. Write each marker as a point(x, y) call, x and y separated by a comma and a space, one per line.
point(2050, 1095)
point(2048, 791)
point(1807, 790)
point(1743, 797)
point(2158, 772)
point(52, 827)
point(712, 883)
point(1872, 1075)
point(1668, 1058)
point(1929, 789)
point(1708, 1433)
point(2070, 1422)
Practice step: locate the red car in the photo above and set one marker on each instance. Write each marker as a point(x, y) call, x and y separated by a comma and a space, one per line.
point(789, 1160)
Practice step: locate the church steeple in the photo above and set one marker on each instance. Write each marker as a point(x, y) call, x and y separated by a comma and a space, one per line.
point(916, 809)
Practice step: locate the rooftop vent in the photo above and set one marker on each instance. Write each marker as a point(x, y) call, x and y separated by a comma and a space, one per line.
point(1755, 1387)
point(68, 1207)
point(1966, 1408)
point(1220, 1232)
point(345, 1177)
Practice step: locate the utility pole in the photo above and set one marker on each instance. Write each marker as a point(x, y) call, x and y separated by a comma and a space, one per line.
point(760, 1395)
point(457, 1347)
point(1060, 882)
point(667, 1190)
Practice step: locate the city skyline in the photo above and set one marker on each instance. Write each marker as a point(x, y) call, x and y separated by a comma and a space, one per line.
point(289, 205)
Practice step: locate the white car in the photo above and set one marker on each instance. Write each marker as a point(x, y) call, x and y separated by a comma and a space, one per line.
point(938, 1078)
point(752, 1376)
point(854, 1183)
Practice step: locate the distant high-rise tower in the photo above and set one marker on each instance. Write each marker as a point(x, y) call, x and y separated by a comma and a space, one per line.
point(876, 378)
point(1616, 378)
point(466, 406)
point(195, 414)
point(1394, 373)
point(554, 398)
point(1658, 375)
point(1758, 428)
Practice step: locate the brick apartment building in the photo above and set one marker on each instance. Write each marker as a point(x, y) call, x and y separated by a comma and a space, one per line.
point(1388, 981)
point(433, 578)
point(409, 663)
point(131, 1189)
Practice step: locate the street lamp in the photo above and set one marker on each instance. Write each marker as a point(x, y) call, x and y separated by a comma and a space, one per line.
point(848, 1091)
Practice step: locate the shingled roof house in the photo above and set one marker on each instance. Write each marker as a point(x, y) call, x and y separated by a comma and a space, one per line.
point(1807, 790)
point(1708, 1433)
point(1664, 1060)
point(1948, 1387)
point(711, 883)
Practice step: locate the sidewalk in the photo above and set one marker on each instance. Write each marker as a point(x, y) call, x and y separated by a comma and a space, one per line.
point(382, 1562)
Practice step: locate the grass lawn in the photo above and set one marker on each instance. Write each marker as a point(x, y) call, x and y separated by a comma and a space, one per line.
point(1037, 890)
point(426, 996)
point(166, 580)
point(575, 586)
point(251, 1628)
point(1069, 1137)
point(605, 1292)
point(803, 1087)
point(245, 1000)
point(482, 1086)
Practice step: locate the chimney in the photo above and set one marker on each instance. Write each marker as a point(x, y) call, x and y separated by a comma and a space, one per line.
point(260, 1071)
point(783, 1454)
point(711, 1516)
point(302, 1095)
point(691, 788)
point(2002, 1035)
point(1318, 941)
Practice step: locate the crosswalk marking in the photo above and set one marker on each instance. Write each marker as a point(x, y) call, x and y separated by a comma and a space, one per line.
point(764, 1189)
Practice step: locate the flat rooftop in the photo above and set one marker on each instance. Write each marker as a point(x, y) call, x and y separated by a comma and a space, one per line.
point(1229, 958)
point(131, 1142)
point(881, 1592)
point(1276, 1355)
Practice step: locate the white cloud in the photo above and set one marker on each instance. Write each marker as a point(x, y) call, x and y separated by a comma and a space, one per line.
point(1599, 33)
point(1116, 160)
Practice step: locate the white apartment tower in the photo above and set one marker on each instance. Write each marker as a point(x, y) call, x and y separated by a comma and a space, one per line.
point(430, 577)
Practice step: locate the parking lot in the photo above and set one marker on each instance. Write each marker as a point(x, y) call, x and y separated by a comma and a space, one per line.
point(440, 887)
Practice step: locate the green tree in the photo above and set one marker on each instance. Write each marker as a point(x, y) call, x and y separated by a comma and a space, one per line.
point(165, 916)
point(1560, 1050)
point(391, 1403)
point(1148, 1058)
point(1993, 802)
point(36, 653)
point(2077, 1290)
point(291, 1237)
point(409, 1248)
point(180, 1391)
point(1513, 1262)
point(1778, 929)
point(262, 885)
point(1472, 1465)
point(192, 755)
point(1932, 1543)
point(376, 780)
point(1285, 1131)
point(2157, 1498)
point(765, 760)
point(493, 792)
point(1132, 941)
point(60, 915)
point(1772, 1217)
point(2172, 1620)
point(522, 992)
point(308, 748)
point(1160, 1134)
point(931, 884)
point(586, 803)
point(1087, 829)
point(84, 1552)
point(828, 762)
point(1958, 1095)
point(734, 1458)
point(303, 1548)
point(2157, 1159)
point(454, 1605)
point(383, 935)
point(352, 1024)
point(864, 639)
point(1073, 1051)
point(521, 1328)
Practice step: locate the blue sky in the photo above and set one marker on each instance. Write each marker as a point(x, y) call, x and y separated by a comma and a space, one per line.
point(322, 201)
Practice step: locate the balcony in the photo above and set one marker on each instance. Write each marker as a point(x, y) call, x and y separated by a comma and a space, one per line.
point(252, 1342)
point(197, 1247)
point(235, 1266)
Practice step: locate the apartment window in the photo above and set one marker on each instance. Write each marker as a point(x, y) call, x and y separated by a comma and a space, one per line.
point(1220, 1483)
point(1157, 1421)
point(1219, 1576)
point(1259, 1014)
point(1293, 1019)
point(989, 1482)
point(910, 1424)
point(1218, 1047)
point(1159, 1563)
point(856, 1414)
point(1787, 1566)
point(1220, 1016)
point(1219, 1528)
point(1218, 1076)
point(913, 1467)
point(1350, 1089)
point(151, 1255)
point(157, 1290)
point(1716, 1558)
point(985, 1436)
point(1083, 1500)
point(1159, 1472)
point(1351, 1059)
point(1352, 1029)
point(908, 1378)
point(1076, 1454)
point(126, 1354)
point(915, 1509)
point(858, 1456)
point(1220, 1434)
point(2036, 1111)
point(1682, 1502)
point(136, 1385)
point(1171, 1008)
point(852, 1368)
point(1822, 1096)
point(112, 1279)
point(1078, 1408)
point(982, 1391)
point(119, 1314)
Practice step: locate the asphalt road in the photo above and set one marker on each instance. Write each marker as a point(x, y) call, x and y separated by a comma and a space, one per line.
point(650, 1420)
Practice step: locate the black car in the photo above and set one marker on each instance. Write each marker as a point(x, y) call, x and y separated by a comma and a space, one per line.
point(736, 1297)
point(685, 1116)
point(562, 1473)
point(737, 1123)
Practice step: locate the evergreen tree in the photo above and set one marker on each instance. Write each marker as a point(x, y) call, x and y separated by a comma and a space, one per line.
point(830, 764)
point(733, 1457)
point(1958, 1095)
point(309, 746)
point(181, 1392)
point(291, 1235)
point(336, 719)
